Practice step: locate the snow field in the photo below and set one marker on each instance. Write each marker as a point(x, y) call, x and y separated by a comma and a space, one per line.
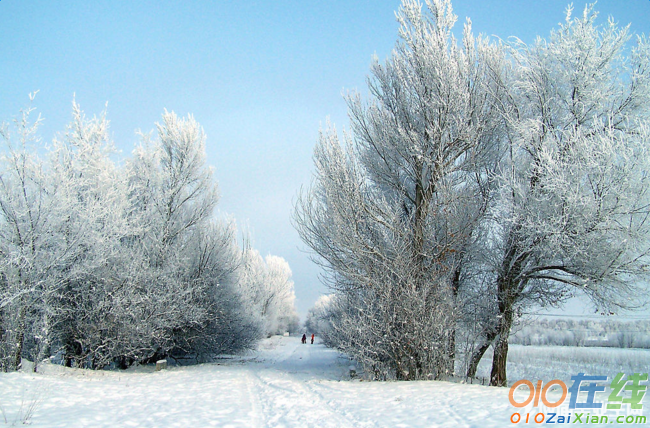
point(283, 384)
point(562, 362)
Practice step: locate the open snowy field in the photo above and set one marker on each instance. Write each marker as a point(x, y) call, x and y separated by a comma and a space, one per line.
point(562, 362)
point(284, 384)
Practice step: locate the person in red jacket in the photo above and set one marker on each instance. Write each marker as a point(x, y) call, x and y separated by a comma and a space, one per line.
point(312, 338)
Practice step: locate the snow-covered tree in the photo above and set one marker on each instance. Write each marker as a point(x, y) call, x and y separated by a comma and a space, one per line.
point(267, 287)
point(574, 205)
point(395, 207)
point(178, 257)
point(317, 320)
point(28, 264)
point(480, 180)
point(111, 264)
point(90, 208)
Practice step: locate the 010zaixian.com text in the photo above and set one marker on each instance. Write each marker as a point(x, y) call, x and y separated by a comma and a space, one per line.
point(626, 395)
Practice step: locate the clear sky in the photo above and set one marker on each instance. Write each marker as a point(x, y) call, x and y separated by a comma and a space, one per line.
point(260, 76)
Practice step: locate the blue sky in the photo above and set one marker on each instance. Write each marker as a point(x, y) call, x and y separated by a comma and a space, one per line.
point(260, 76)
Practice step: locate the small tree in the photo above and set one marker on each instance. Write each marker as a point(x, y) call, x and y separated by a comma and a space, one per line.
point(317, 320)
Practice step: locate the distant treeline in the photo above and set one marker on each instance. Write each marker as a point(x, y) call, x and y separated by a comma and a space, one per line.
point(567, 332)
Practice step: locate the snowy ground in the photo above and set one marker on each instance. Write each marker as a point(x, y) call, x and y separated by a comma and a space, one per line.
point(562, 362)
point(284, 384)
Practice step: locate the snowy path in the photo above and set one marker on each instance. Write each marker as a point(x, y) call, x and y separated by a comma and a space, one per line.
point(285, 384)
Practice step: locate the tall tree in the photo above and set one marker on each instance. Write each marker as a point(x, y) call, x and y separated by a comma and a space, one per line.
point(393, 211)
point(89, 210)
point(574, 206)
point(23, 199)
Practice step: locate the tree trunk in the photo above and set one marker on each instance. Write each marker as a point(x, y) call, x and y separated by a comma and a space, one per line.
point(498, 376)
point(20, 336)
point(43, 345)
point(451, 340)
point(478, 354)
point(72, 349)
point(451, 353)
point(508, 293)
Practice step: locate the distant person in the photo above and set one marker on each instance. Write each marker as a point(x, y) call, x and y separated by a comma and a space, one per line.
point(312, 338)
point(304, 338)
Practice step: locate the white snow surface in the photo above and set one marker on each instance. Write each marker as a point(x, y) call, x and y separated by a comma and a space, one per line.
point(283, 384)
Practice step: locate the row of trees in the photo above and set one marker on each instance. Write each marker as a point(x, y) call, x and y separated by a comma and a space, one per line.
point(479, 179)
point(105, 263)
point(561, 332)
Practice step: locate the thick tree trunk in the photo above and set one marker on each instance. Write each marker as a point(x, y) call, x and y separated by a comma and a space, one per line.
point(498, 376)
point(72, 349)
point(68, 352)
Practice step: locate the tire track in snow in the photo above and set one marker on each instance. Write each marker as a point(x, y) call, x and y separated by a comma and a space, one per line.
point(286, 402)
point(339, 409)
point(384, 405)
point(257, 416)
point(282, 396)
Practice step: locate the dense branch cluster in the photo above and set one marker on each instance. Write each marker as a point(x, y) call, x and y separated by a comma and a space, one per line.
point(110, 264)
point(479, 179)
